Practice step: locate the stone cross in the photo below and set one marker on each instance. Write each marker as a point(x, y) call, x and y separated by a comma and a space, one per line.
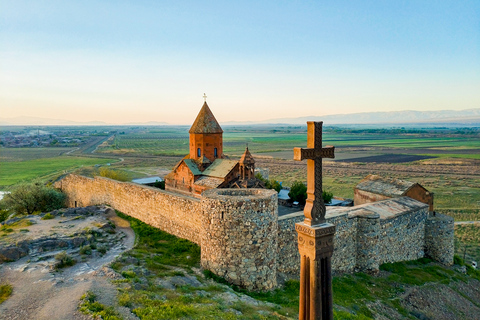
point(204, 97)
point(315, 236)
point(315, 207)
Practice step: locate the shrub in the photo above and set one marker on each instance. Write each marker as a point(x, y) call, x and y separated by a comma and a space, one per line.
point(86, 250)
point(298, 192)
point(33, 197)
point(113, 174)
point(5, 291)
point(159, 184)
point(48, 216)
point(64, 260)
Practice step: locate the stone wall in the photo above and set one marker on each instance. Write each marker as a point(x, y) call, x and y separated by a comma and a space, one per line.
point(239, 242)
point(171, 212)
point(439, 241)
point(402, 237)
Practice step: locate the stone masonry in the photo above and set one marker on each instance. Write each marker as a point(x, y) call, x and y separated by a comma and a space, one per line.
point(243, 239)
point(237, 241)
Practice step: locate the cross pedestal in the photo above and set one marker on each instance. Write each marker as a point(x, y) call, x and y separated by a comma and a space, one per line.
point(315, 236)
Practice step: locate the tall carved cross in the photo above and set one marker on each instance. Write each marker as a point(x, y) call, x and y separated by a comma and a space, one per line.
point(314, 153)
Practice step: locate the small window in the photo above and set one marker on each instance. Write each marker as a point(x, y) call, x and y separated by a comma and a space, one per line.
point(215, 152)
point(199, 152)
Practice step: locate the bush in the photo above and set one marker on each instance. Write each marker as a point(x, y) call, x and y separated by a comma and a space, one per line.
point(113, 174)
point(159, 184)
point(48, 216)
point(5, 291)
point(33, 197)
point(298, 192)
point(269, 184)
point(64, 260)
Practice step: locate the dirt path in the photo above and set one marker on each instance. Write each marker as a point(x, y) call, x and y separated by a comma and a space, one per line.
point(39, 293)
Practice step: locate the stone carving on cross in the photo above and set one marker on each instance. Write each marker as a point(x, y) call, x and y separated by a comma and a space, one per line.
point(314, 153)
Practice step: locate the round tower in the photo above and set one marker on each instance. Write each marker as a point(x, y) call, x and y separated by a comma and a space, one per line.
point(239, 236)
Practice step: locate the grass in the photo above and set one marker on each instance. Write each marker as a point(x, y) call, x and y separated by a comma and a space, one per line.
point(467, 242)
point(15, 172)
point(5, 291)
point(353, 294)
point(90, 306)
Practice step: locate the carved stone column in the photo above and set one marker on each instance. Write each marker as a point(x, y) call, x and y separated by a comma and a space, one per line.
point(315, 244)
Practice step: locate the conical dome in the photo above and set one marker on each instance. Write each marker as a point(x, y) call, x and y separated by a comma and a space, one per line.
point(205, 122)
point(247, 158)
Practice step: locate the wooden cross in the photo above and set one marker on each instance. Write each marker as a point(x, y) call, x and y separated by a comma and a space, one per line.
point(314, 153)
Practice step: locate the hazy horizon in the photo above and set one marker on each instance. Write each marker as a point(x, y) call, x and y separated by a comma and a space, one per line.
point(150, 61)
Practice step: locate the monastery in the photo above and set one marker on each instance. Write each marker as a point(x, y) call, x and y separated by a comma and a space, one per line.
point(206, 167)
point(210, 201)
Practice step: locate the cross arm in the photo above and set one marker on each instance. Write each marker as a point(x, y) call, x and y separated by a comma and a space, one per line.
point(300, 154)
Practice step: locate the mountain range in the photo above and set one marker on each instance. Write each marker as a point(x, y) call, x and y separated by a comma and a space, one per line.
point(464, 117)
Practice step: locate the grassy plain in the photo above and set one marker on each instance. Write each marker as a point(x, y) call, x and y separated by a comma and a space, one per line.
point(44, 168)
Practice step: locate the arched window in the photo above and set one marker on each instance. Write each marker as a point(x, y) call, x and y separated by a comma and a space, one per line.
point(199, 152)
point(215, 152)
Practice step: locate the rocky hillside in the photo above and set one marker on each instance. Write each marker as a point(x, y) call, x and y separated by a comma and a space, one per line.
point(160, 278)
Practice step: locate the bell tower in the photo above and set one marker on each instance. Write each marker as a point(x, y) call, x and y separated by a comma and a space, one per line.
point(206, 137)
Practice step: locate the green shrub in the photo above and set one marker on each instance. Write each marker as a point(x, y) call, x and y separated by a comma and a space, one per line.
point(458, 261)
point(5, 291)
point(86, 250)
point(48, 216)
point(64, 260)
point(90, 306)
point(33, 197)
point(298, 192)
point(114, 174)
point(102, 249)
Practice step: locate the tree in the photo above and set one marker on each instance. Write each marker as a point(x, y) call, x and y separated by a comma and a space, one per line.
point(27, 198)
point(298, 192)
point(269, 184)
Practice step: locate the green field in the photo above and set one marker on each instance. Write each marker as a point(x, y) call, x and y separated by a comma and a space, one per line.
point(173, 141)
point(44, 168)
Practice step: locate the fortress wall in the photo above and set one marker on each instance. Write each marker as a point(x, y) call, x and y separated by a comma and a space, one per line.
point(239, 240)
point(288, 260)
point(343, 259)
point(174, 213)
point(402, 237)
point(439, 240)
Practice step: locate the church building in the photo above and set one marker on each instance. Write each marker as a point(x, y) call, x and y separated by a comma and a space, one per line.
point(206, 167)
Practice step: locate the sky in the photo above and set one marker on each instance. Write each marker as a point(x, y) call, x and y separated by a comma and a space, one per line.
point(138, 61)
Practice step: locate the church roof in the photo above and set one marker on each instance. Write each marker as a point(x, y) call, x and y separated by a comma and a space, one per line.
point(209, 182)
point(247, 157)
point(388, 187)
point(205, 122)
point(220, 168)
point(192, 166)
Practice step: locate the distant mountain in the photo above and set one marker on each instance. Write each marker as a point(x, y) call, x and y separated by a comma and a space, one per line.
point(36, 121)
point(149, 123)
point(468, 116)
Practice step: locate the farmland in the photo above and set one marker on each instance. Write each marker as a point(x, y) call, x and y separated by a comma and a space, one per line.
point(445, 161)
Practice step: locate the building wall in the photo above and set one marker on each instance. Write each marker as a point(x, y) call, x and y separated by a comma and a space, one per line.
point(439, 240)
point(421, 194)
point(207, 142)
point(182, 179)
point(174, 213)
point(362, 197)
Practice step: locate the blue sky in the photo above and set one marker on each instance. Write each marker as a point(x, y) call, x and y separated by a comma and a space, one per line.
point(123, 61)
